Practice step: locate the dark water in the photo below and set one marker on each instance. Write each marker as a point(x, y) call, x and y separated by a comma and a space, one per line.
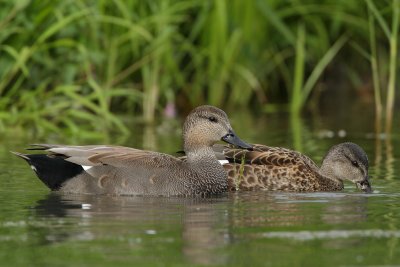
point(349, 228)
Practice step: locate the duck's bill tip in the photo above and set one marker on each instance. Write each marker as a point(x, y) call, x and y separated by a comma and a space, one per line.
point(364, 186)
point(233, 139)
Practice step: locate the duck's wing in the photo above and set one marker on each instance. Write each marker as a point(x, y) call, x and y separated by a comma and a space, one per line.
point(110, 170)
point(263, 155)
point(117, 156)
point(269, 168)
point(266, 155)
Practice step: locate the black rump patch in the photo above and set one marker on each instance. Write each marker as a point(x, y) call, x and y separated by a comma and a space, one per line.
point(53, 171)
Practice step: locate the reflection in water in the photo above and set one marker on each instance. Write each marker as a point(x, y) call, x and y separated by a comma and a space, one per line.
point(53, 205)
point(384, 152)
point(387, 137)
point(207, 226)
point(353, 211)
point(336, 235)
point(389, 158)
point(57, 207)
point(276, 209)
point(251, 209)
point(378, 155)
point(202, 241)
point(215, 231)
point(200, 221)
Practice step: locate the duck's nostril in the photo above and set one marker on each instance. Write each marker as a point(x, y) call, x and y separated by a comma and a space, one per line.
point(233, 139)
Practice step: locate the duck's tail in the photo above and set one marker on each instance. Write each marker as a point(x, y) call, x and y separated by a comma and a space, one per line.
point(53, 171)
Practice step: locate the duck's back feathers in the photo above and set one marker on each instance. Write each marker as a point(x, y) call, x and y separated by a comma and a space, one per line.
point(265, 155)
point(116, 156)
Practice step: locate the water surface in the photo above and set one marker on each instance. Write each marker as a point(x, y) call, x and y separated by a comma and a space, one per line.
point(348, 228)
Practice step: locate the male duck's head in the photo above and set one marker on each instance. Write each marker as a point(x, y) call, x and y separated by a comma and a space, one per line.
point(205, 126)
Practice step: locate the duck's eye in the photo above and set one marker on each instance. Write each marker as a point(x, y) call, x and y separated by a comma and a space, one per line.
point(355, 163)
point(212, 119)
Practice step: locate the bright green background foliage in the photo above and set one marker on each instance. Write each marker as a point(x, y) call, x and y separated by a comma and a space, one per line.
point(75, 64)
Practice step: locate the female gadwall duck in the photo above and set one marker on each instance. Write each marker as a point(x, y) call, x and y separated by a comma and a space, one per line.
point(276, 168)
point(120, 170)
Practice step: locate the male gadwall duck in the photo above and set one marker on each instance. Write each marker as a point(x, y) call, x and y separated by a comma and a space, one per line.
point(120, 170)
point(276, 168)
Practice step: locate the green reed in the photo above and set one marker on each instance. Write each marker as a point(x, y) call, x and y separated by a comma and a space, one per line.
point(65, 64)
point(392, 39)
point(375, 72)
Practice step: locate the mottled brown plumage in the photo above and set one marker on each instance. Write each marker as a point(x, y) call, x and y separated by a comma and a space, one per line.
point(128, 171)
point(277, 168)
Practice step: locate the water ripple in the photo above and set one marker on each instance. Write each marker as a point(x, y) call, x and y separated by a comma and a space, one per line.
point(333, 234)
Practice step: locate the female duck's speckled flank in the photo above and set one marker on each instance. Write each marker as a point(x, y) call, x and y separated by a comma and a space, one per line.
point(276, 168)
point(128, 171)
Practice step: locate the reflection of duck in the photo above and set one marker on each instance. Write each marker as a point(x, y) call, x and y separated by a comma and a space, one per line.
point(55, 206)
point(276, 168)
point(289, 209)
point(261, 209)
point(123, 170)
point(196, 226)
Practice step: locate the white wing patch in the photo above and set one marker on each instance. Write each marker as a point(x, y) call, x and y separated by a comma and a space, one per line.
point(86, 167)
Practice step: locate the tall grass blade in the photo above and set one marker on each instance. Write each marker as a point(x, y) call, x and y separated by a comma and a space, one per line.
point(270, 15)
point(379, 18)
point(132, 27)
point(392, 66)
point(321, 66)
point(296, 100)
point(60, 25)
point(375, 74)
point(21, 59)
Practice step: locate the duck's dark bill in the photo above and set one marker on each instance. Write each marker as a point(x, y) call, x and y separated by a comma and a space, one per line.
point(233, 139)
point(365, 186)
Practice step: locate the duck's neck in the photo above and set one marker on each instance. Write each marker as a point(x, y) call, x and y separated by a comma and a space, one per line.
point(211, 175)
point(203, 157)
point(328, 178)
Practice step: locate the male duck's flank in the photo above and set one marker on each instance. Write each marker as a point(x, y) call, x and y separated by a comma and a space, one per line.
point(127, 171)
point(277, 168)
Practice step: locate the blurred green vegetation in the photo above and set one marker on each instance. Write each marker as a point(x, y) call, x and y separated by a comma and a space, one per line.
point(75, 64)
